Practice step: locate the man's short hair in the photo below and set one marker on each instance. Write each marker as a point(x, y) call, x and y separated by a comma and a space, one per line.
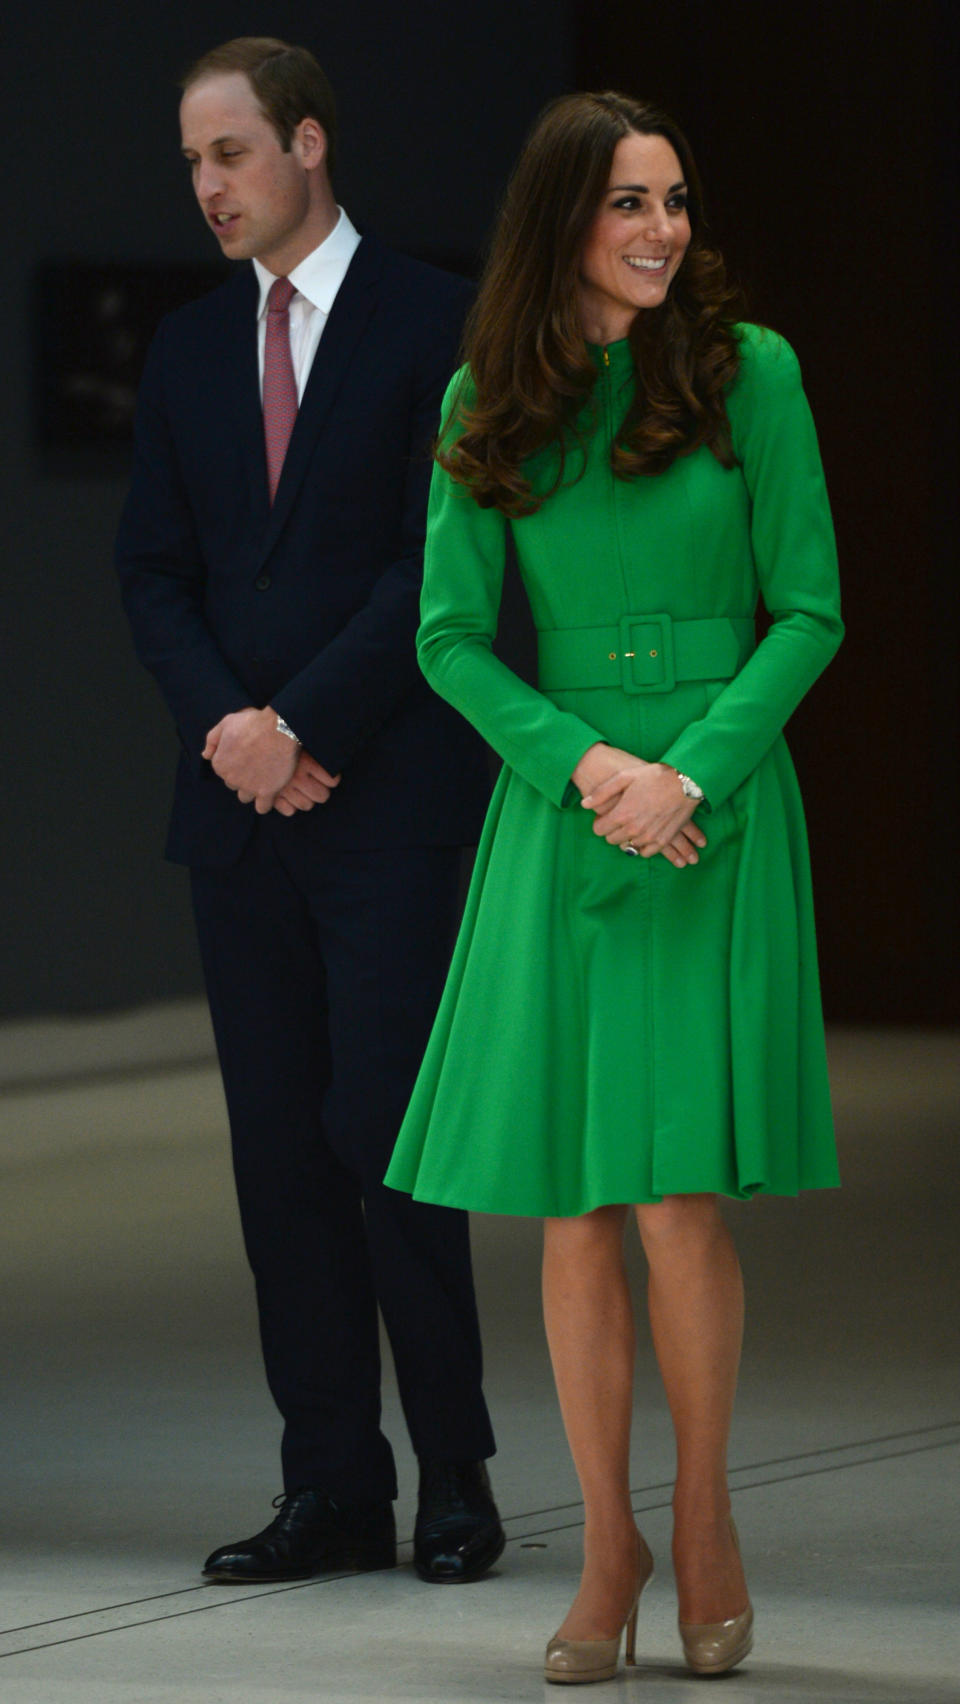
point(287, 81)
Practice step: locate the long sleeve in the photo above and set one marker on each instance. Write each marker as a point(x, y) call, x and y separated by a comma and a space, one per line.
point(462, 584)
point(795, 555)
point(162, 576)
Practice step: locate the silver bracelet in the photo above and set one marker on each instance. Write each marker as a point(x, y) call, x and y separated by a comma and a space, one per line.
point(284, 728)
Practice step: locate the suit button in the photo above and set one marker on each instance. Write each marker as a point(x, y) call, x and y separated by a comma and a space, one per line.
point(262, 581)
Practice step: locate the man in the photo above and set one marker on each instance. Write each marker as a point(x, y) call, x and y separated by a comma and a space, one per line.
point(270, 558)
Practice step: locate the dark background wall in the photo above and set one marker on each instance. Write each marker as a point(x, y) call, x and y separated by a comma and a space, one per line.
point(825, 137)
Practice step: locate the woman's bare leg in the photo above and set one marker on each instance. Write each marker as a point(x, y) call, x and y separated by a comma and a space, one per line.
point(590, 1330)
point(696, 1315)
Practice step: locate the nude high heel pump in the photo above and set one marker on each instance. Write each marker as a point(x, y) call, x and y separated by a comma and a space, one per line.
point(713, 1647)
point(571, 1662)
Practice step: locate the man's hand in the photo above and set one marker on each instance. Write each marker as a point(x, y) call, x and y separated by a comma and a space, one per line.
point(309, 785)
point(251, 757)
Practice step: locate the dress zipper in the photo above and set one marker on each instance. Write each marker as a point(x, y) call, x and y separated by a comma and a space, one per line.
point(607, 395)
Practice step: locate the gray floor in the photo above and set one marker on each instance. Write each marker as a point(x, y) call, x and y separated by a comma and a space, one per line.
point(137, 1433)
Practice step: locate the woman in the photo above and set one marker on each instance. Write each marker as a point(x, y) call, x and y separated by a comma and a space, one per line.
point(630, 1033)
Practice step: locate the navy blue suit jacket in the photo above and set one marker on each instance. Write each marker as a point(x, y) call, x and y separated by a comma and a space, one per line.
point(311, 605)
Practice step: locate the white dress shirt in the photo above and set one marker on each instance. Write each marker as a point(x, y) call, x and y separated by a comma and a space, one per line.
point(316, 281)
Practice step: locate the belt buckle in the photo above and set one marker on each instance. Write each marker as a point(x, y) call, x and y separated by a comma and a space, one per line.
point(646, 653)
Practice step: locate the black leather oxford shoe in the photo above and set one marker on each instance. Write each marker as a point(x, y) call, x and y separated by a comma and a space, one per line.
point(458, 1535)
point(310, 1535)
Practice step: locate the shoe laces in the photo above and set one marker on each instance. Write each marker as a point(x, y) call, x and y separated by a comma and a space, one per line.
point(444, 1483)
point(290, 1511)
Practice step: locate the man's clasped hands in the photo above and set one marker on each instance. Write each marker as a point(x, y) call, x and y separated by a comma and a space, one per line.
point(264, 767)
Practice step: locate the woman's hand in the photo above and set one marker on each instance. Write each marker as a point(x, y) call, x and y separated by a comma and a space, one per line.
point(685, 847)
point(639, 804)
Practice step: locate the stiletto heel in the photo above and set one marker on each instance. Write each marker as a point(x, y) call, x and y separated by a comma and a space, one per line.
point(713, 1647)
point(630, 1653)
point(571, 1662)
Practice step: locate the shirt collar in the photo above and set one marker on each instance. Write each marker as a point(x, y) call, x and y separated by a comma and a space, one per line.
point(321, 274)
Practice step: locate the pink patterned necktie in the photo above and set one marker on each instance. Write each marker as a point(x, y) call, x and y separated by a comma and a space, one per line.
point(279, 384)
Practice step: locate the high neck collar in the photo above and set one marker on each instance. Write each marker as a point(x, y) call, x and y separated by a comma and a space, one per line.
point(617, 356)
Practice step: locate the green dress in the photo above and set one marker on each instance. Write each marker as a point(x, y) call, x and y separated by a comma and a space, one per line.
point(614, 1029)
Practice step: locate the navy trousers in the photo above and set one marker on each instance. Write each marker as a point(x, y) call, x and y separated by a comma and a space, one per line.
point(323, 972)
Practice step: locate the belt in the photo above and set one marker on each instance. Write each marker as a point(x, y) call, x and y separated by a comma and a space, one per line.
point(643, 653)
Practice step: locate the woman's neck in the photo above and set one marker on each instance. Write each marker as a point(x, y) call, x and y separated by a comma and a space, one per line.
point(603, 328)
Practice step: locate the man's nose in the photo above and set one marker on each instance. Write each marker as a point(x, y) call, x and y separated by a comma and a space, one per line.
point(207, 181)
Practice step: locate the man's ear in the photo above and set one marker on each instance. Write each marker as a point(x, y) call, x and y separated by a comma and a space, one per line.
point(310, 142)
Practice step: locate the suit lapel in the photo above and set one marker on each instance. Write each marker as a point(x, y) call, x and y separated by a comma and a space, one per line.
point(353, 305)
point(238, 400)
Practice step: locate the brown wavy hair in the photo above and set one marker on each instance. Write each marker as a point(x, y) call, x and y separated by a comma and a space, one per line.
point(529, 368)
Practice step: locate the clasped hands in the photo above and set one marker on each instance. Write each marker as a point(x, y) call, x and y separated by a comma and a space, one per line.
point(639, 804)
point(265, 768)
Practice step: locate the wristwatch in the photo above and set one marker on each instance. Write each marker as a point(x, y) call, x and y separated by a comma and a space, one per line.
point(284, 728)
point(690, 788)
